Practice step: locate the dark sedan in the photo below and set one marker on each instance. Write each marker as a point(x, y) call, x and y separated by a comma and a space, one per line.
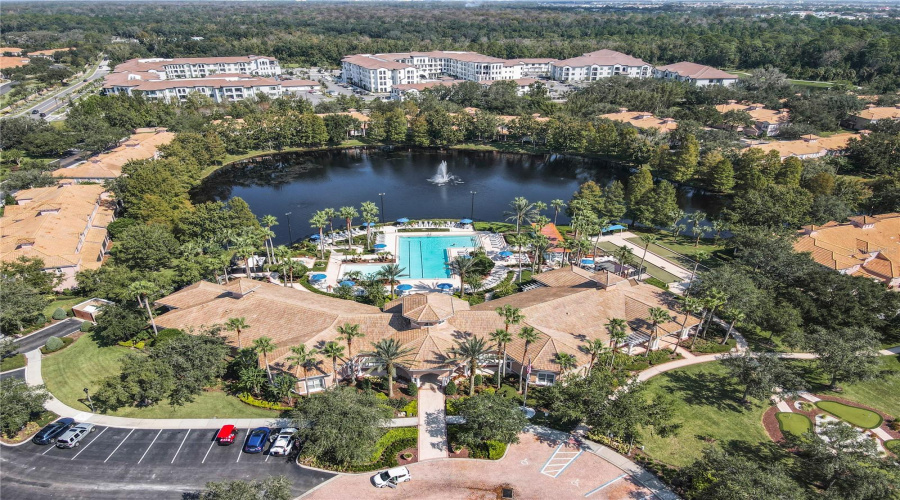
point(52, 431)
point(257, 440)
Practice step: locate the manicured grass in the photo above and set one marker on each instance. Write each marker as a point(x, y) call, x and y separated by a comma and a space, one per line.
point(684, 244)
point(652, 270)
point(893, 446)
point(707, 404)
point(12, 362)
point(85, 364)
point(795, 423)
point(64, 302)
point(860, 417)
point(881, 392)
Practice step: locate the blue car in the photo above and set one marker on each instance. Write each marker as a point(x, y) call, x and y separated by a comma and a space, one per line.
point(49, 434)
point(257, 440)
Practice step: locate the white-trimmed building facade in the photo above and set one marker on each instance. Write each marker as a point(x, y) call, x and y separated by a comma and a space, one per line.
point(600, 64)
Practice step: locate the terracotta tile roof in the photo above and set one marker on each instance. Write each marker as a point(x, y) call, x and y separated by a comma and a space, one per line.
point(375, 62)
point(13, 62)
point(604, 57)
point(867, 245)
point(11, 50)
point(810, 145)
point(49, 52)
point(880, 113)
point(142, 145)
point(424, 85)
point(64, 225)
point(756, 111)
point(642, 119)
point(696, 71)
point(567, 277)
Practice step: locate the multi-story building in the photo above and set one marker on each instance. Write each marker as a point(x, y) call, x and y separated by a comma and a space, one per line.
point(377, 74)
point(220, 87)
point(599, 64)
point(698, 74)
point(202, 67)
point(872, 115)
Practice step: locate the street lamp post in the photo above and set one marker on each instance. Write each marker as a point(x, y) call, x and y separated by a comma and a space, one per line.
point(472, 212)
point(382, 207)
point(89, 399)
point(290, 232)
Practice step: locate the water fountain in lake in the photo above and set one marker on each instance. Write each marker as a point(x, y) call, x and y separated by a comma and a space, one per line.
point(442, 177)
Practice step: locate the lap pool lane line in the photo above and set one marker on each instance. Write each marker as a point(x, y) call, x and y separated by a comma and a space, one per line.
point(92, 442)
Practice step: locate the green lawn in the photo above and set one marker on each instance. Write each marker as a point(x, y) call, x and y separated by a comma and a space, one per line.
point(881, 392)
point(684, 244)
point(85, 364)
point(708, 407)
point(65, 302)
point(860, 417)
point(893, 445)
point(795, 423)
point(12, 362)
point(652, 270)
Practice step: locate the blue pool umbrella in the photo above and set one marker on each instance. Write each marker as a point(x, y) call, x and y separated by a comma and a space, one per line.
point(404, 287)
point(403, 220)
point(587, 261)
point(318, 277)
point(505, 253)
point(444, 286)
point(379, 246)
point(368, 224)
point(465, 221)
point(314, 237)
point(347, 283)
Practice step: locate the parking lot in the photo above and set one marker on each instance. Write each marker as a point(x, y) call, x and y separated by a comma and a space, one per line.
point(148, 463)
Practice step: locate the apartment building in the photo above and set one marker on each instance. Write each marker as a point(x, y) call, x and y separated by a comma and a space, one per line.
point(202, 67)
point(872, 115)
point(64, 226)
point(765, 121)
point(220, 87)
point(698, 74)
point(142, 145)
point(599, 64)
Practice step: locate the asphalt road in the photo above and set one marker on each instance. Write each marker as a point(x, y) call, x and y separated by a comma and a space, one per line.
point(139, 464)
point(38, 339)
point(19, 374)
point(60, 99)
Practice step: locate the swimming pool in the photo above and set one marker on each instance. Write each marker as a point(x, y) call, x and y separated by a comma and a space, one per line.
point(365, 269)
point(425, 257)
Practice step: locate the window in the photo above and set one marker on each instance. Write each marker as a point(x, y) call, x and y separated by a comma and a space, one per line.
point(316, 384)
point(545, 378)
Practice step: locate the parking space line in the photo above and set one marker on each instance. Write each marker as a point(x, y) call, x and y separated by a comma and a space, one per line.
point(241, 449)
point(207, 452)
point(267, 457)
point(92, 442)
point(117, 447)
point(151, 445)
point(52, 445)
point(179, 447)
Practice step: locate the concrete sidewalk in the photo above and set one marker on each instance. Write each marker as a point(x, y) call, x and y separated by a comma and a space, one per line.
point(33, 377)
point(619, 239)
point(432, 423)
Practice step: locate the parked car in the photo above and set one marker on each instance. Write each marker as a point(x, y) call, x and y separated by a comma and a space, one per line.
point(391, 477)
point(52, 431)
point(226, 435)
point(284, 442)
point(72, 437)
point(34, 111)
point(43, 115)
point(257, 439)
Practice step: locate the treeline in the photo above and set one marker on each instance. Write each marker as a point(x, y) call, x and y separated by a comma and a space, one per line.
point(862, 51)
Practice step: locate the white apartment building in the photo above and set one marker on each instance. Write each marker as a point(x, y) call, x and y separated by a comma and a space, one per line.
point(377, 74)
point(202, 67)
point(219, 87)
point(698, 74)
point(599, 64)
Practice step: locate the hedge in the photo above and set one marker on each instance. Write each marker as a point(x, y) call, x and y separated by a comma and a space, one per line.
point(130, 343)
point(66, 342)
point(86, 326)
point(636, 366)
point(259, 403)
point(54, 344)
point(657, 283)
point(491, 450)
point(386, 450)
point(411, 409)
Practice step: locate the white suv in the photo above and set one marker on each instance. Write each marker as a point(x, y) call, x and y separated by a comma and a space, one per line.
point(71, 437)
point(391, 477)
point(284, 442)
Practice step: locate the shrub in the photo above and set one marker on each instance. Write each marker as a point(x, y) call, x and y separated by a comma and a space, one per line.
point(895, 425)
point(489, 390)
point(382, 396)
point(491, 450)
point(893, 446)
point(451, 389)
point(166, 335)
point(508, 392)
point(53, 343)
point(366, 384)
point(659, 356)
point(636, 366)
point(259, 403)
point(657, 283)
point(412, 389)
point(137, 344)
point(411, 408)
point(704, 346)
point(86, 326)
point(479, 380)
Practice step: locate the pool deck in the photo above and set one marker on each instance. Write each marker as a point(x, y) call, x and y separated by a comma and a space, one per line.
point(391, 237)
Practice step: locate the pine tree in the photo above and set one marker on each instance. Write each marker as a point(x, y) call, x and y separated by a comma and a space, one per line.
point(639, 185)
point(683, 163)
point(789, 174)
point(418, 132)
point(614, 201)
point(721, 177)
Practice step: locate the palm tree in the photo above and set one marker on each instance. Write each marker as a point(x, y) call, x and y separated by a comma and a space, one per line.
point(303, 357)
point(696, 218)
point(391, 272)
point(557, 206)
point(265, 345)
point(237, 325)
point(334, 351)
point(282, 254)
point(679, 230)
point(320, 220)
point(472, 351)
point(389, 353)
point(461, 265)
point(647, 240)
point(502, 338)
point(675, 216)
point(736, 316)
point(141, 290)
point(519, 241)
point(625, 256)
point(566, 362)
point(595, 348)
point(657, 316)
point(349, 331)
point(718, 225)
point(618, 332)
point(566, 245)
point(529, 335)
point(521, 209)
point(539, 245)
point(370, 216)
point(714, 299)
point(348, 214)
point(267, 221)
point(689, 306)
point(698, 257)
point(244, 248)
point(330, 214)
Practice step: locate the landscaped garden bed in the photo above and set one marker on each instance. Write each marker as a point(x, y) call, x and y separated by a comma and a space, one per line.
point(30, 429)
point(389, 450)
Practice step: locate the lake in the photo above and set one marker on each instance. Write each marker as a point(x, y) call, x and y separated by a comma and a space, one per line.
point(414, 182)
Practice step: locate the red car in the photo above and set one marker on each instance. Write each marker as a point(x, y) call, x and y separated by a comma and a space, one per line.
point(226, 435)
